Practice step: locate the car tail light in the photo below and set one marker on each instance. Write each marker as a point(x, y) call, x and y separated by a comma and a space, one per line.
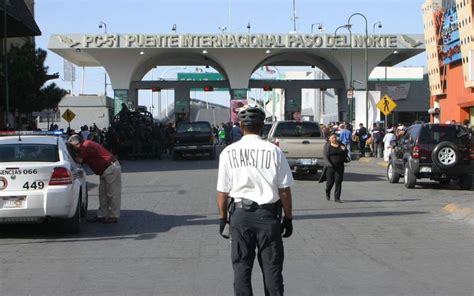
point(415, 153)
point(61, 176)
point(471, 154)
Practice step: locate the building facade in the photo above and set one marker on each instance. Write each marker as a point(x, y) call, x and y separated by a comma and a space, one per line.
point(449, 39)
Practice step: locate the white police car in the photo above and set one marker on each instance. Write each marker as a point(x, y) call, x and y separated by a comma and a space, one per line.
point(40, 181)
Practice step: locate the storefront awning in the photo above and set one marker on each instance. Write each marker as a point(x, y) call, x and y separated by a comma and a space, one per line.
point(20, 22)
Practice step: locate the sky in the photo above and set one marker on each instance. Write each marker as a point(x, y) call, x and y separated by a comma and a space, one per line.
point(194, 16)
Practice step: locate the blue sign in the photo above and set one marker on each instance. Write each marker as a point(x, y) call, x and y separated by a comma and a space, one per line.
point(450, 32)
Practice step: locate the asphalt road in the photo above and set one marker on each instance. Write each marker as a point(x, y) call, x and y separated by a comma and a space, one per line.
point(382, 240)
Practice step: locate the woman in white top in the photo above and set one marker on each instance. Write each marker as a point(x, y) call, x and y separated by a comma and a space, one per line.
point(387, 139)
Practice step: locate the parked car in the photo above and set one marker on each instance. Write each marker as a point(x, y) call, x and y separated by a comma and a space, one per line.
point(302, 142)
point(193, 138)
point(440, 152)
point(40, 181)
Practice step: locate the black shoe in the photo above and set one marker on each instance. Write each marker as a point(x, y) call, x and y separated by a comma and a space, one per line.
point(338, 201)
point(328, 196)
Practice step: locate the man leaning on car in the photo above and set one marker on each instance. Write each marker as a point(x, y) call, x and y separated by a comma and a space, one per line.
point(104, 164)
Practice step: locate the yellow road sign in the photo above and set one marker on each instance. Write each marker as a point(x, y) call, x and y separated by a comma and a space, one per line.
point(386, 105)
point(68, 115)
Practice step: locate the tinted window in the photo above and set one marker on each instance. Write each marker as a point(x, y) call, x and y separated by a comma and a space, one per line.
point(298, 130)
point(28, 152)
point(193, 127)
point(434, 134)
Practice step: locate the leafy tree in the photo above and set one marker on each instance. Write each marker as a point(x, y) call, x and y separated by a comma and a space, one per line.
point(27, 75)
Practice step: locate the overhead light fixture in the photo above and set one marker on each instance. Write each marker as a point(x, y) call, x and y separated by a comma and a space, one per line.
point(204, 51)
point(268, 51)
point(142, 52)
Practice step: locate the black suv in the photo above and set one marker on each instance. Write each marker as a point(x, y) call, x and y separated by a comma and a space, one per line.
point(439, 152)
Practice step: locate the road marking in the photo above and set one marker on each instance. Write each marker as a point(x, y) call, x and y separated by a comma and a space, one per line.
point(457, 211)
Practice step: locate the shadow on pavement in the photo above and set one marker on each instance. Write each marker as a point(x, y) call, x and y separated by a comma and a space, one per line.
point(435, 185)
point(141, 166)
point(381, 200)
point(357, 215)
point(355, 177)
point(133, 224)
point(143, 225)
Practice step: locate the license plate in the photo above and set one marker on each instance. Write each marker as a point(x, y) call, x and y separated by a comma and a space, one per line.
point(13, 202)
point(306, 161)
point(425, 170)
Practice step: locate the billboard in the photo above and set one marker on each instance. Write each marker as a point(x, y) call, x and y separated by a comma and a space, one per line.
point(450, 32)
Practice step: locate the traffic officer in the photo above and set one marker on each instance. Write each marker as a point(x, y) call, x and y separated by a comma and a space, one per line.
point(255, 176)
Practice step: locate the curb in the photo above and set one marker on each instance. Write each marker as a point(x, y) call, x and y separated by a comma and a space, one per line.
point(460, 213)
point(371, 160)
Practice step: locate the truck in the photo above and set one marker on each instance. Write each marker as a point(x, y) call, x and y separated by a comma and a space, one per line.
point(302, 142)
point(134, 130)
point(193, 138)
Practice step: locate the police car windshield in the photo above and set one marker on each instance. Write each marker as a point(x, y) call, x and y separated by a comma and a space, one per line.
point(29, 153)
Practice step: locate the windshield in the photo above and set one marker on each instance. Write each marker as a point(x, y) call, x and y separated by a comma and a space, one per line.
point(298, 130)
point(29, 152)
point(193, 127)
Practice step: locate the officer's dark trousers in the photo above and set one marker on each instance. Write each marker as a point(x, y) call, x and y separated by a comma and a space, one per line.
point(256, 230)
point(334, 176)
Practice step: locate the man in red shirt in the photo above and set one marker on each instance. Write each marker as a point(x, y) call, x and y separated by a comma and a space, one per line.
point(104, 164)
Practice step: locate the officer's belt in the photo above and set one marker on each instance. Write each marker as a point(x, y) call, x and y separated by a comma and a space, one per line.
point(272, 206)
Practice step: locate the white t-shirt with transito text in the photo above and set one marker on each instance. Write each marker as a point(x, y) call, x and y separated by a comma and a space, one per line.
point(253, 169)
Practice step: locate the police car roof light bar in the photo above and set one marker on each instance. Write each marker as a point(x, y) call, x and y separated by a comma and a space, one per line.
point(31, 133)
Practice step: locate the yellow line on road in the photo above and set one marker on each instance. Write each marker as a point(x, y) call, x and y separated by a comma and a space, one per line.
point(455, 209)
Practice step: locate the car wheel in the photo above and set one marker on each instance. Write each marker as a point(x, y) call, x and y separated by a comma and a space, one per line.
point(85, 203)
point(445, 155)
point(73, 224)
point(409, 178)
point(465, 182)
point(392, 177)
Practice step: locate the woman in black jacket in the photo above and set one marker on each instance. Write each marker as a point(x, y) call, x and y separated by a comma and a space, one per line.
point(335, 155)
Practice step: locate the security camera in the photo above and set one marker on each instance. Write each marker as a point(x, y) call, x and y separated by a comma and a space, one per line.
point(100, 26)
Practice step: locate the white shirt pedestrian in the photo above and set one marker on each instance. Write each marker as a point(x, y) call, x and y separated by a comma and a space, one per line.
point(387, 139)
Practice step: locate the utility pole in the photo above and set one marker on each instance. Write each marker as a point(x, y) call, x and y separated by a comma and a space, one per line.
point(294, 16)
point(5, 57)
